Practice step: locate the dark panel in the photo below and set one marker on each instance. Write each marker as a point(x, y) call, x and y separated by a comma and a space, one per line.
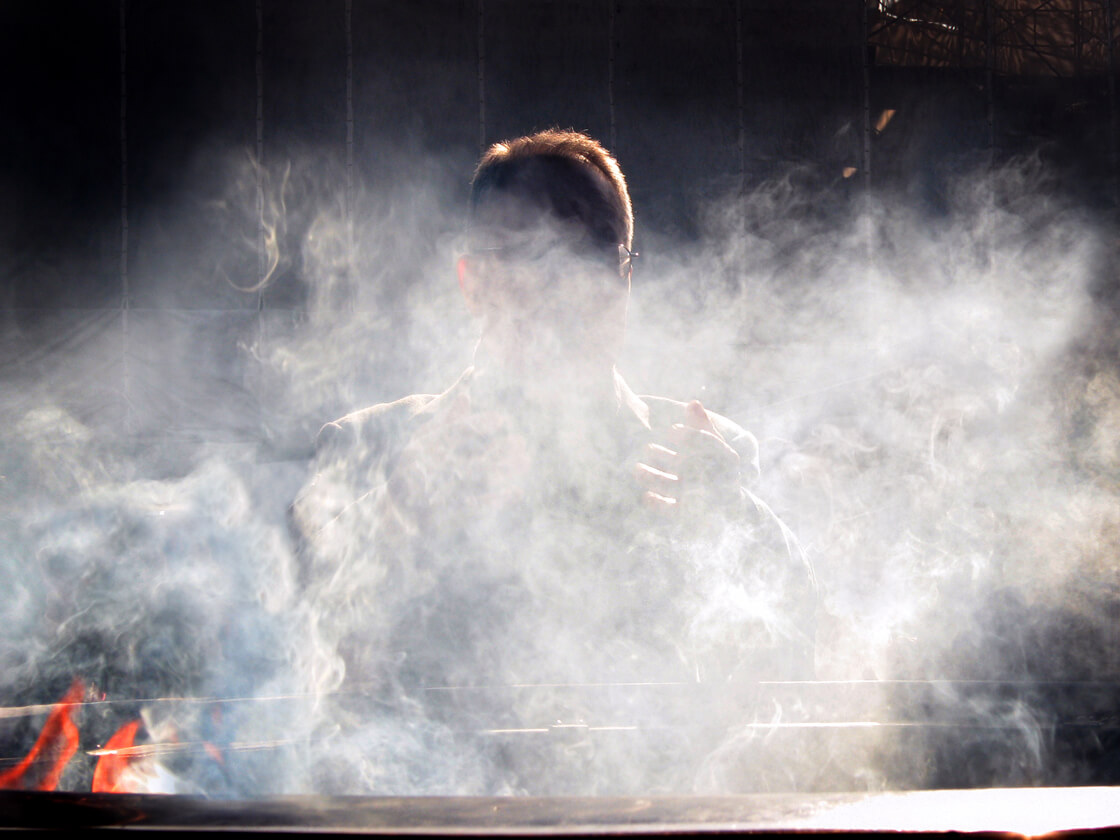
point(415, 144)
point(415, 83)
point(190, 374)
point(304, 75)
point(304, 124)
point(68, 359)
point(802, 89)
point(59, 186)
point(676, 106)
point(938, 131)
point(547, 64)
point(191, 123)
point(320, 366)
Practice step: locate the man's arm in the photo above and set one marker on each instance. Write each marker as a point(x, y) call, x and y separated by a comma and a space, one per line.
point(352, 457)
point(698, 475)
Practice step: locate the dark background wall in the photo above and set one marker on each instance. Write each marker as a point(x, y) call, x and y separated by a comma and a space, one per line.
point(130, 124)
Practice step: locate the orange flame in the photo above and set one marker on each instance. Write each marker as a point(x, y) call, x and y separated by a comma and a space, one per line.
point(56, 745)
point(107, 776)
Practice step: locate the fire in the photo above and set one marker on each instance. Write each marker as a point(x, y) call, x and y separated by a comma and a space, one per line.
point(56, 745)
point(109, 776)
point(123, 766)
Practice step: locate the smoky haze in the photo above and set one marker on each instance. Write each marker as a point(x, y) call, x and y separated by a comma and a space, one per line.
point(935, 403)
point(933, 385)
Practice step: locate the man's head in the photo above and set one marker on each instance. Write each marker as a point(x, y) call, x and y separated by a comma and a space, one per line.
point(563, 174)
point(549, 231)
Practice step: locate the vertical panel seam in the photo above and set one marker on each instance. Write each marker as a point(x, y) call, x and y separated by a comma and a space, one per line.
point(261, 257)
point(126, 291)
point(481, 76)
point(260, 153)
point(349, 290)
point(865, 46)
point(349, 109)
point(1111, 100)
point(739, 90)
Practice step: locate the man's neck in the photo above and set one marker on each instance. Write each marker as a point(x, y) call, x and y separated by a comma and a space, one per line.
point(570, 407)
point(582, 382)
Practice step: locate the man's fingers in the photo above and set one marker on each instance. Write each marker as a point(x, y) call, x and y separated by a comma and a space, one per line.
point(659, 482)
point(662, 457)
point(693, 459)
point(697, 417)
point(658, 503)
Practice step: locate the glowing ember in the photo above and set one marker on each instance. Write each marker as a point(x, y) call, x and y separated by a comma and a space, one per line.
point(123, 766)
point(884, 119)
point(42, 767)
point(110, 776)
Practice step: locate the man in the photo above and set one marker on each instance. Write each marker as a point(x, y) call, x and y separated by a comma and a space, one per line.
point(539, 522)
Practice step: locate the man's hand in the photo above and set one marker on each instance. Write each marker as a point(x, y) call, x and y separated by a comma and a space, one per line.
point(692, 469)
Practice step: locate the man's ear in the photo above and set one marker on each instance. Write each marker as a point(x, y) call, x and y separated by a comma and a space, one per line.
point(469, 285)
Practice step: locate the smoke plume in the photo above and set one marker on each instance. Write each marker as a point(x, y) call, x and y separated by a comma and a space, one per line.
point(936, 399)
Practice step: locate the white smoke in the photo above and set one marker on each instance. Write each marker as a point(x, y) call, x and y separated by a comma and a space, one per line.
point(936, 400)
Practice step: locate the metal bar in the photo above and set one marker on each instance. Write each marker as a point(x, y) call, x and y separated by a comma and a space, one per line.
point(1014, 27)
point(178, 747)
point(771, 726)
point(960, 19)
point(913, 17)
point(1032, 48)
point(942, 688)
point(936, 683)
point(1077, 38)
point(171, 747)
point(7, 712)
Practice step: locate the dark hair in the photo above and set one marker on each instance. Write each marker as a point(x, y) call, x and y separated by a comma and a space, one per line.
point(563, 174)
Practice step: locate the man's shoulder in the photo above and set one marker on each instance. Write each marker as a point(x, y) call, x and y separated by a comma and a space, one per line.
point(372, 426)
point(379, 427)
